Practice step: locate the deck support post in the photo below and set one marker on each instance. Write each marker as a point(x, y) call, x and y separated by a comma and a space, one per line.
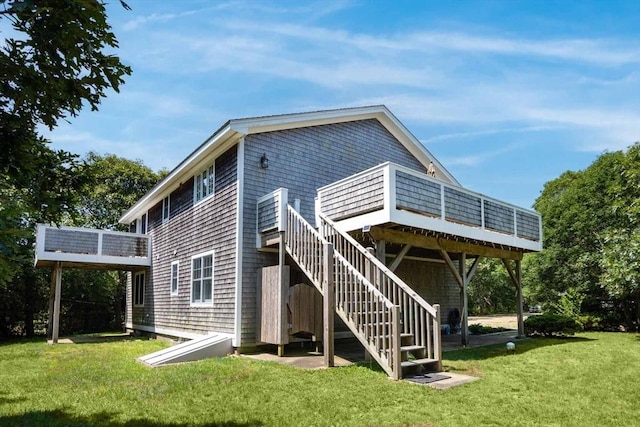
point(52, 293)
point(381, 251)
point(464, 320)
point(516, 278)
point(328, 304)
point(57, 272)
point(463, 277)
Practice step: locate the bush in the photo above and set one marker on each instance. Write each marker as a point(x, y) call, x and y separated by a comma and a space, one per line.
point(478, 329)
point(551, 324)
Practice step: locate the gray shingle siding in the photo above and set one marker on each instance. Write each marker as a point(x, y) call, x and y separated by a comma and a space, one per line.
point(193, 229)
point(498, 217)
point(462, 207)
point(268, 213)
point(415, 194)
point(71, 241)
point(528, 225)
point(303, 160)
point(356, 197)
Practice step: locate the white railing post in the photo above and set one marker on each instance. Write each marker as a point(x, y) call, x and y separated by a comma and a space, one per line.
point(437, 344)
point(282, 209)
point(100, 234)
point(442, 213)
point(482, 213)
point(515, 222)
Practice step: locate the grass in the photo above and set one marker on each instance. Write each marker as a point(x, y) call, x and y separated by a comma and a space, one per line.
point(587, 380)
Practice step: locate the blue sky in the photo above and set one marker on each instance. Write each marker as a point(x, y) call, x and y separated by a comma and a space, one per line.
point(506, 94)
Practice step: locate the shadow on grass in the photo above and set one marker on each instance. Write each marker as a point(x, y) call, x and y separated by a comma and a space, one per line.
point(499, 350)
point(76, 339)
point(8, 400)
point(61, 418)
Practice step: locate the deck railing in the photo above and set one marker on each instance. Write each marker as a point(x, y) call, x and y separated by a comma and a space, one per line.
point(371, 316)
point(74, 244)
point(391, 189)
point(418, 317)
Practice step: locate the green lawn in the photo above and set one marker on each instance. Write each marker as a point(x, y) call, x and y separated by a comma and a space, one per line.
point(591, 379)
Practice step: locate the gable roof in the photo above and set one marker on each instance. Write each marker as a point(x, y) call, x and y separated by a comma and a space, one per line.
point(231, 132)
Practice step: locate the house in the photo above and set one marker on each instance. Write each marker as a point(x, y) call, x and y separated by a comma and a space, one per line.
point(275, 223)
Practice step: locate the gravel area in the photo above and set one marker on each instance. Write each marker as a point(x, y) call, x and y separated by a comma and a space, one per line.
point(509, 321)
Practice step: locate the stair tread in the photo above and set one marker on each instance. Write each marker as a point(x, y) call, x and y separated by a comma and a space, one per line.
point(403, 335)
point(417, 362)
point(412, 347)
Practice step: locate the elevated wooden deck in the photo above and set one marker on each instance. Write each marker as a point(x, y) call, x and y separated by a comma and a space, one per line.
point(396, 203)
point(73, 247)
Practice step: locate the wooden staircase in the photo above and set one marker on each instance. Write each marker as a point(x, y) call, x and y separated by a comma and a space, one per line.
point(394, 324)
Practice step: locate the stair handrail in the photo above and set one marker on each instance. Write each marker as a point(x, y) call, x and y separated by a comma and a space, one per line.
point(363, 251)
point(419, 318)
point(368, 313)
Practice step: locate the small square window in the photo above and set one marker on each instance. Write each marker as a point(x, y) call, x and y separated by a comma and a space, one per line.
point(165, 208)
point(138, 289)
point(175, 268)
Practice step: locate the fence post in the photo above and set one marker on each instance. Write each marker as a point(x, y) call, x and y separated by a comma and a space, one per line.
point(396, 355)
point(437, 343)
point(328, 303)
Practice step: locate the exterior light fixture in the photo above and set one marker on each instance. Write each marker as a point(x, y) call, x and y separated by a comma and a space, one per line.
point(264, 161)
point(511, 347)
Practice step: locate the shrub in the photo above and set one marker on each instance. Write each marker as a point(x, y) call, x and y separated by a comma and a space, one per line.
point(551, 324)
point(478, 329)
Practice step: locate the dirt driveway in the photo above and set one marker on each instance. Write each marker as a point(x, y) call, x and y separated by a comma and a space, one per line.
point(509, 321)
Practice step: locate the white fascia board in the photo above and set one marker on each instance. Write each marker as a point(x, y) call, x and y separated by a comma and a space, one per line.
point(297, 120)
point(184, 170)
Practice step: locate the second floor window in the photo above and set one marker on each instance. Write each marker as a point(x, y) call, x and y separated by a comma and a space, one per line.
point(165, 208)
point(203, 184)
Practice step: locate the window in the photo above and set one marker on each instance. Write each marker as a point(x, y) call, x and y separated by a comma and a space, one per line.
point(165, 208)
point(203, 184)
point(141, 224)
point(202, 279)
point(138, 289)
point(174, 277)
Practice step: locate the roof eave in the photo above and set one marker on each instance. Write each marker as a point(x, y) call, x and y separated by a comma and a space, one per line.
point(184, 169)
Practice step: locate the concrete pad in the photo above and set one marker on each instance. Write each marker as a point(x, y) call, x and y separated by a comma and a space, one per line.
point(453, 381)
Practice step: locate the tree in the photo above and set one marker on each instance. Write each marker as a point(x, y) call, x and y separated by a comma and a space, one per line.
point(591, 220)
point(491, 290)
point(57, 61)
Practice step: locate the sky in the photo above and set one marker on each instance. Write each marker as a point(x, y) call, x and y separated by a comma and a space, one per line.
point(507, 95)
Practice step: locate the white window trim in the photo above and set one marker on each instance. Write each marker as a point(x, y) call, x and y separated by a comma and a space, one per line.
point(213, 272)
point(177, 277)
point(166, 206)
point(139, 223)
point(210, 169)
point(135, 281)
